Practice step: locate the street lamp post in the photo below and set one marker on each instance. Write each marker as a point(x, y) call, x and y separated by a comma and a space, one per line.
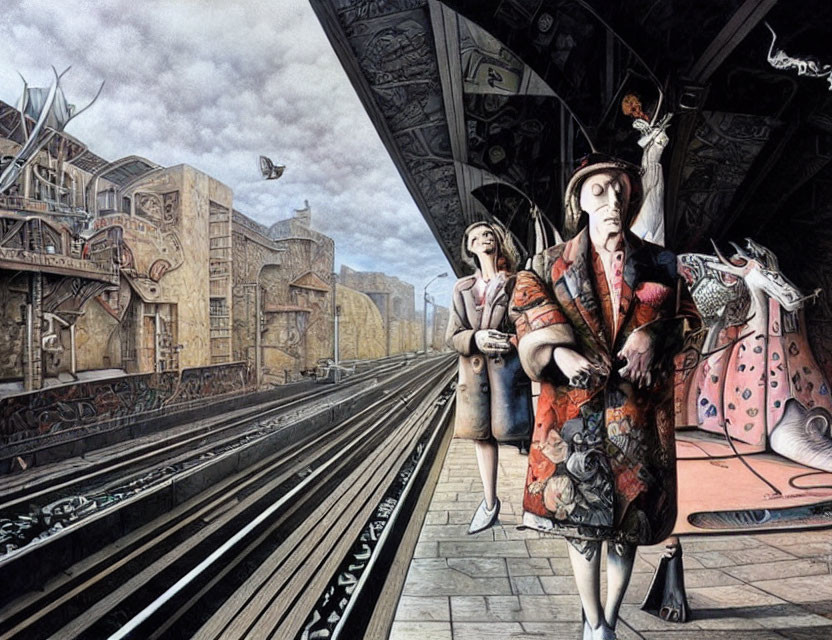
point(425, 312)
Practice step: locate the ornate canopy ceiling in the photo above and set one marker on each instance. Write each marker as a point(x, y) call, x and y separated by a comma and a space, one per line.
point(475, 102)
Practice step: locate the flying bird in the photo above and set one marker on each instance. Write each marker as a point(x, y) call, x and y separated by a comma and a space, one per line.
point(269, 169)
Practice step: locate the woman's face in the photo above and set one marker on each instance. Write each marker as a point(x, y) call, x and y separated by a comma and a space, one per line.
point(482, 241)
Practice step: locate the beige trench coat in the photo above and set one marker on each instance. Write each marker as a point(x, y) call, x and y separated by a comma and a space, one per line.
point(493, 394)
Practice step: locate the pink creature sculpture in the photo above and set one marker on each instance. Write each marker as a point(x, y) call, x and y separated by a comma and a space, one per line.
point(759, 385)
point(753, 414)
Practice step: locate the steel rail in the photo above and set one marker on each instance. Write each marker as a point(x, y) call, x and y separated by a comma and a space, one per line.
point(266, 601)
point(385, 539)
point(140, 620)
point(27, 493)
point(212, 503)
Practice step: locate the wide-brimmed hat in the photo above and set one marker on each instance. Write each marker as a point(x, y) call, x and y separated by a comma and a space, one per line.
point(589, 165)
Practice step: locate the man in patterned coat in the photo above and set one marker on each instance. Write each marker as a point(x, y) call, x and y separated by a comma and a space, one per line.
point(599, 321)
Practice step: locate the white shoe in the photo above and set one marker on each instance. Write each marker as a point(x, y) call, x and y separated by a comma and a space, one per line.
point(483, 517)
point(603, 633)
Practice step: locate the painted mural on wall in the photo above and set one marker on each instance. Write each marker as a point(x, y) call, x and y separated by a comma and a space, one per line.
point(33, 419)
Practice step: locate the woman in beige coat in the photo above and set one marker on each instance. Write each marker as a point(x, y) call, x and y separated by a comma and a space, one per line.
point(493, 400)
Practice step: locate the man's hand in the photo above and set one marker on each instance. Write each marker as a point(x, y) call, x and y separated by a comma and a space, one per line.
point(577, 368)
point(638, 352)
point(492, 342)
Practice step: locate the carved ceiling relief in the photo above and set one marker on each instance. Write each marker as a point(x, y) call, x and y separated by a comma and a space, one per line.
point(723, 149)
point(393, 44)
point(515, 138)
point(668, 24)
point(353, 11)
point(487, 65)
point(397, 48)
point(413, 105)
point(561, 32)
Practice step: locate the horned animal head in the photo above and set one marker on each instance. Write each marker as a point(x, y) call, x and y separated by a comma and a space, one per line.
point(757, 266)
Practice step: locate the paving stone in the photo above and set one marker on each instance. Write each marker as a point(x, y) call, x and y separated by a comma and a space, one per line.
point(426, 550)
point(461, 516)
point(436, 517)
point(732, 596)
point(485, 549)
point(623, 632)
point(715, 559)
point(548, 547)
point(479, 567)
point(695, 544)
point(452, 532)
point(522, 608)
point(777, 570)
point(644, 565)
point(789, 616)
point(456, 505)
point(821, 608)
point(632, 615)
point(529, 567)
point(526, 585)
point(699, 634)
point(652, 555)
point(561, 566)
point(794, 537)
point(708, 578)
point(559, 585)
point(812, 633)
point(508, 531)
point(808, 549)
point(505, 584)
point(421, 631)
point(445, 581)
point(516, 631)
point(799, 589)
point(423, 608)
point(554, 631)
point(459, 485)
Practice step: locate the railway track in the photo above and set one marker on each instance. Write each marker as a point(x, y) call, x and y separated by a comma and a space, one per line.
point(39, 503)
point(278, 548)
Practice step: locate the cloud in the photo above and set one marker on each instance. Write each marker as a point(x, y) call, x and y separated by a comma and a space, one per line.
point(215, 85)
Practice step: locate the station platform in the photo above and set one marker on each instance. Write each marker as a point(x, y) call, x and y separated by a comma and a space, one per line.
point(506, 584)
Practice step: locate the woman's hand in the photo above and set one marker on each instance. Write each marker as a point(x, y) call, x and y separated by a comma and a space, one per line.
point(492, 342)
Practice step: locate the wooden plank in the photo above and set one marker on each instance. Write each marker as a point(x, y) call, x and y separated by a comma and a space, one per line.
point(101, 608)
point(385, 610)
point(306, 546)
point(309, 592)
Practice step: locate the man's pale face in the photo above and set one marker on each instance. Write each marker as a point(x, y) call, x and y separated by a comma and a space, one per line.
point(605, 197)
point(481, 241)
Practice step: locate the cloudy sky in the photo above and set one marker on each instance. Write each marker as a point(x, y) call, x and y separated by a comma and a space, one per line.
point(214, 85)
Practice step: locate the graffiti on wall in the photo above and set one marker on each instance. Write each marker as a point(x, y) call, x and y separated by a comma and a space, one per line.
point(30, 419)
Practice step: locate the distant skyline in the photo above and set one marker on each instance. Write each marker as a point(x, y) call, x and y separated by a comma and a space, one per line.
point(217, 85)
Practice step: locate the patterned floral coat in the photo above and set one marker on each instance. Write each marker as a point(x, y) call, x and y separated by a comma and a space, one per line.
point(602, 461)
